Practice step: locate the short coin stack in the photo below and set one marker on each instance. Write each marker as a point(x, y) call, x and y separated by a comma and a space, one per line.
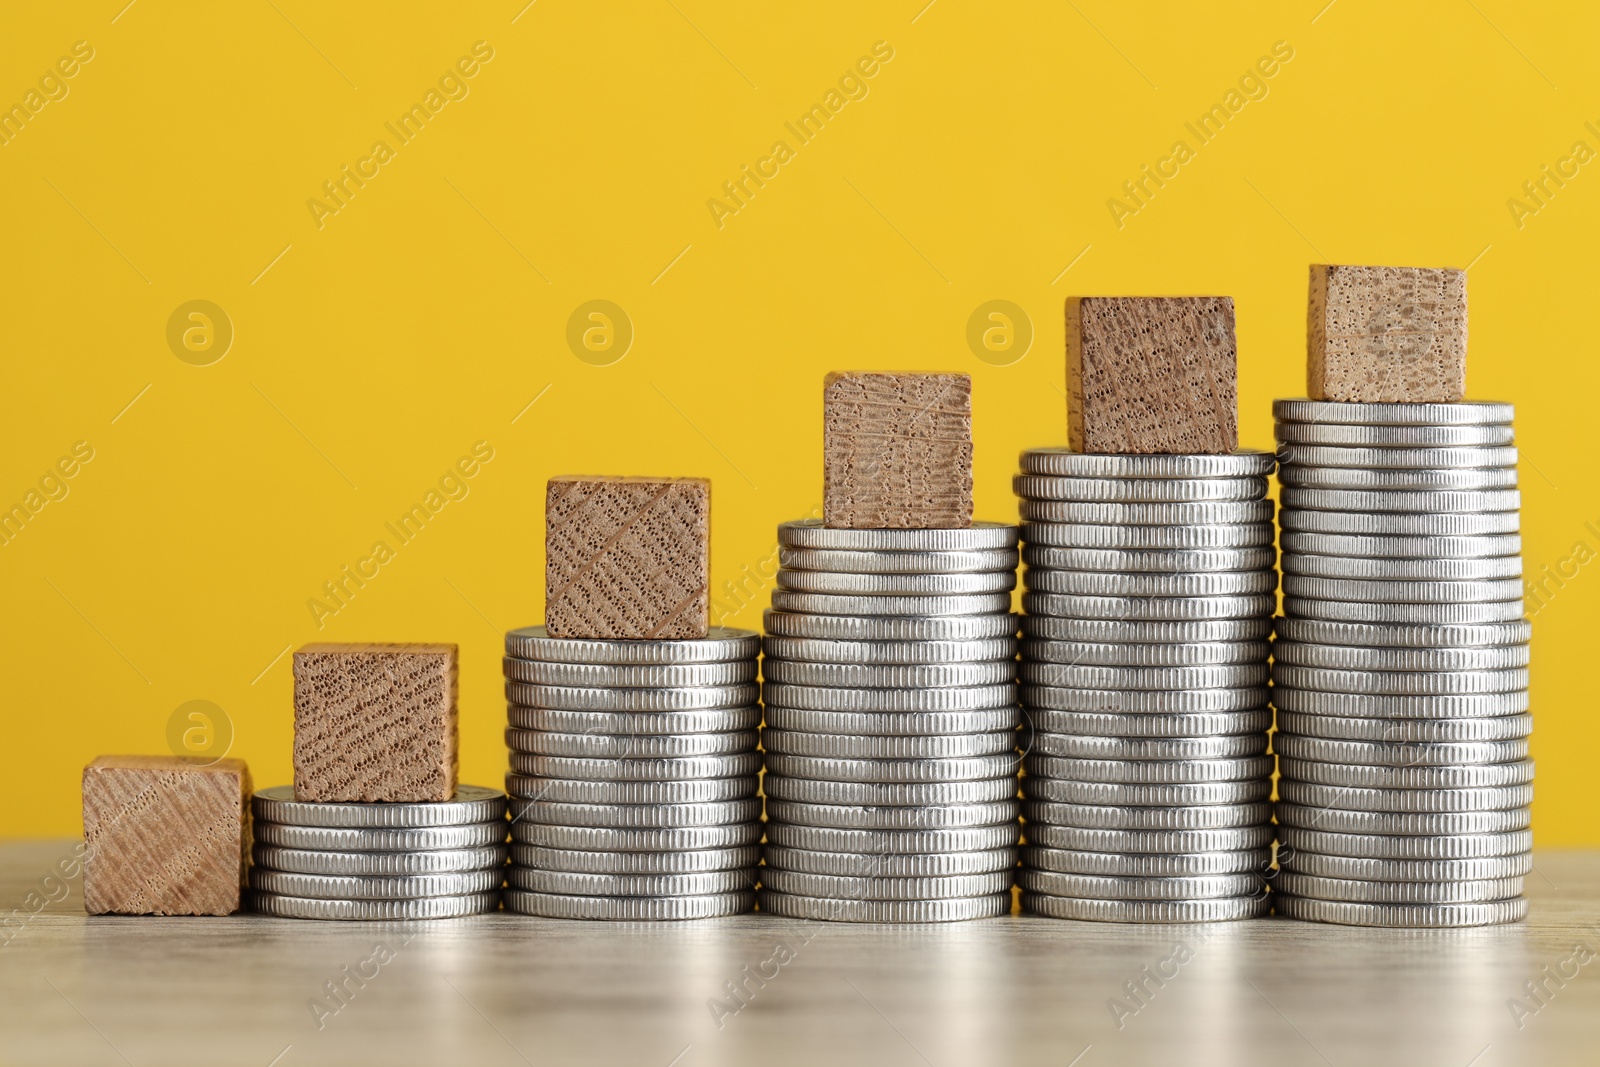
point(634, 774)
point(346, 860)
point(1400, 673)
point(1149, 595)
point(891, 724)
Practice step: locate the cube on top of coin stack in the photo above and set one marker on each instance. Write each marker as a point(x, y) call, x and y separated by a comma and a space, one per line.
point(632, 722)
point(1400, 673)
point(376, 826)
point(889, 677)
point(1149, 594)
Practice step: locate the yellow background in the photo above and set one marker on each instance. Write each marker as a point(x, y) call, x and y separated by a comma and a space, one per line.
point(426, 314)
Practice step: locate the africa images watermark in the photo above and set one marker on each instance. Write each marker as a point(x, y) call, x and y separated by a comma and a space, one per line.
point(51, 88)
point(1537, 192)
point(52, 486)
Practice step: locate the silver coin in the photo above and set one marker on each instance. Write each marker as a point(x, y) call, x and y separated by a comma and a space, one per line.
point(811, 533)
point(1449, 413)
point(629, 909)
point(1353, 658)
point(1153, 887)
point(1402, 548)
point(682, 768)
point(1369, 635)
point(1310, 433)
point(720, 644)
point(857, 817)
point(635, 816)
point(1182, 701)
point(1134, 865)
point(833, 582)
point(1402, 823)
point(1387, 870)
point(1088, 676)
point(1401, 682)
point(856, 746)
point(391, 863)
point(1366, 705)
point(1146, 911)
point(887, 843)
point(1296, 884)
point(889, 676)
point(1117, 654)
point(1402, 916)
point(614, 840)
point(1150, 772)
point(867, 865)
point(629, 676)
point(1194, 514)
point(446, 907)
point(1407, 754)
point(1396, 458)
point(1420, 779)
point(471, 804)
point(539, 857)
point(619, 723)
point(1410, 501)
point(1414, 847)
point(1399, 524)
point(1302, 476)
point(890, 628)
point(697, 883)
point(953, 769)
point(1189, 817)
point(1108, 584)
point(863, 605)
point(1110, 794)
point(946, 698)
point(1118, 538)
point(394, 887)
point(1148, 561)
point(1480, 568)
point(1402, 614)
point(894, 724)
point(1148, 724)
point(1149, 842)
point(1402, 592)
point(1067, 463)
point(685, 698)
point(1116, 631)
point(845, 887)
point(629, 746)
point(1137, 490)
point(378, 839)
point(887, 794)
point(790, 906)
point(813, 650)
point(1226, 746)
point(574, 791)
point(863, 561)
point(1404, 800)
point(1397, 731)
point(1149, 609)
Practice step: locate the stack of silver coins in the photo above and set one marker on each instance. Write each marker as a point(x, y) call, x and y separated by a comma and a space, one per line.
point(1150, 587)
point(424, 860)
point(634, 774)
point(1401, 666)
point(891, 725)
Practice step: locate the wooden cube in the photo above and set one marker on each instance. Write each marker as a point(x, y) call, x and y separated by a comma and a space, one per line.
point(164, 835)
point(627, 558)
point(896, 451)
point(1387, 334)
point(375, 722)
point(1152, 374)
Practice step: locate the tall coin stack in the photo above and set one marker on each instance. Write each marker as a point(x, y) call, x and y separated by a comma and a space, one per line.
point(634, 773)
point(1149, 600)
point(1401, 666)
point(425, 860)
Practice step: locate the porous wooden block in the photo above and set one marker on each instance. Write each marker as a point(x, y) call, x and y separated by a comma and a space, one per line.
point(164, 835)
point(627, 558)
point(375, 722)
point(1387, 334)
point(896, 451)
point(1152, 374)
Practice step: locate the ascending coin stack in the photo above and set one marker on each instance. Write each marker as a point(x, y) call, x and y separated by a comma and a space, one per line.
point(634, 774)
point(1400, 672)
point(891, 724)
point(1149, 594)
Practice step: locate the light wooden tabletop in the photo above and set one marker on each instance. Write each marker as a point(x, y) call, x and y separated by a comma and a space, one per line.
point(506, 990)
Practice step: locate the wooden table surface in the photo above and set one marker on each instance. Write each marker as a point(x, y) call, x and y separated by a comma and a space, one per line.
point(506, 990)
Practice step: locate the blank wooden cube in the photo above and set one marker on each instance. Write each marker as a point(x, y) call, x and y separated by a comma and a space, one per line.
point(627, 558)
point(1152, 374)
point(897, 451)
point(375, 722)
point(164, 835)
point(1387, 334)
